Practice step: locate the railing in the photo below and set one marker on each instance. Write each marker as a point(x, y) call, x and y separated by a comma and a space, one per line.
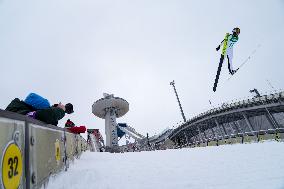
point(261, 136)
point(32, 151)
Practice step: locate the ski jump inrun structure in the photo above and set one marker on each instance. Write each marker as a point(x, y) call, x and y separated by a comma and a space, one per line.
point(254, 119)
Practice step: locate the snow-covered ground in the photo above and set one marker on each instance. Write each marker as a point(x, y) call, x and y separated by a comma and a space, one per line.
point(259, 165)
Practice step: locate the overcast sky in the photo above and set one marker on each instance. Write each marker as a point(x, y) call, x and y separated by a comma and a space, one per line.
point(75, 50)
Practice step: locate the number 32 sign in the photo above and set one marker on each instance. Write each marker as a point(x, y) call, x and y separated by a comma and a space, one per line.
point(12, 166)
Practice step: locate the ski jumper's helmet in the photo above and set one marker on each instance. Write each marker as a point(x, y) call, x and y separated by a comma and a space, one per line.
point(237, 31)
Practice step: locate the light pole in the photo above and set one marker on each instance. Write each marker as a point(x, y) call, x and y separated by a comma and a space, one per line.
point(182, 114)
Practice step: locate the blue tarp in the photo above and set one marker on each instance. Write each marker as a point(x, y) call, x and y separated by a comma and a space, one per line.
point(121, 133)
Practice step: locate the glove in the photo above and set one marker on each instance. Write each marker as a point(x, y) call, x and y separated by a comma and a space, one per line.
point(217, 49)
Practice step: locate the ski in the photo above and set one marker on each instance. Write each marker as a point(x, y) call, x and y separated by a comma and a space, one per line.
point(218, 73)
point(245, 61)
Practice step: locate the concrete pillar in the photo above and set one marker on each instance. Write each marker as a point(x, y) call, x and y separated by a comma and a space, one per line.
point(110, 128)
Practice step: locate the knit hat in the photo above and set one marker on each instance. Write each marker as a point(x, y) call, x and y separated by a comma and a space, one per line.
point(69, 108)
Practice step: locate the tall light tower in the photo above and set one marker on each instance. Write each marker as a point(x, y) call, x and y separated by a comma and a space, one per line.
point(110, 108)
point(182, 114)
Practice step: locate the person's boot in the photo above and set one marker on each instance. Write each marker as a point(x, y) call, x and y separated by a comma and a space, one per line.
point(233, 72)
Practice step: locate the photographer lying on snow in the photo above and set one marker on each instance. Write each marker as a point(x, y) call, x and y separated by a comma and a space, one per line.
point(39, 108)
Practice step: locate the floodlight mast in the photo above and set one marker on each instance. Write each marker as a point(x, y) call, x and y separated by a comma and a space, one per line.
point(182, 114)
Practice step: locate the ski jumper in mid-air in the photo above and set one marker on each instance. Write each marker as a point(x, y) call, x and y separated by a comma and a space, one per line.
point(227, 52)
point(228, 44)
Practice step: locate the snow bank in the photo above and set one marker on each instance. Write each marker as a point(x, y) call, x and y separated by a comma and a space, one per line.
point(259, 165)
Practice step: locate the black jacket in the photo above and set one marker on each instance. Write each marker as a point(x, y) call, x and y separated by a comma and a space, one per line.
point(20, 107)
point(50, 115)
